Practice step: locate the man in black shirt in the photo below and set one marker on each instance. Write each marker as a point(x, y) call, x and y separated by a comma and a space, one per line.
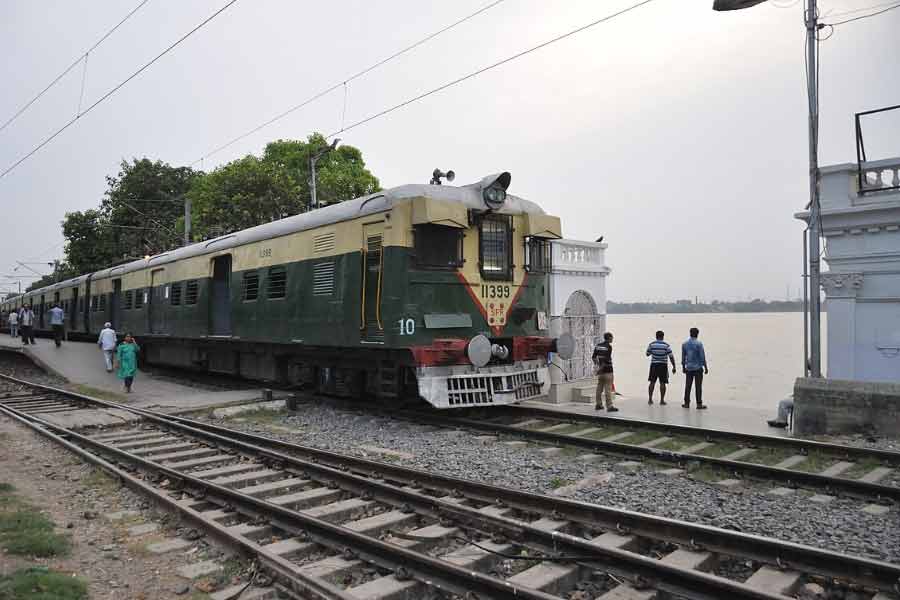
point(604, 367)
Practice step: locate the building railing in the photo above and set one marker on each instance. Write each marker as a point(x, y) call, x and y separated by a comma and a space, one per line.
point(874, 176)
point(577, 256)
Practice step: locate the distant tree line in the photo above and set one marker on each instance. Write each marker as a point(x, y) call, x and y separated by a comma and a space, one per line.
point(142, 211)
point(687, 306)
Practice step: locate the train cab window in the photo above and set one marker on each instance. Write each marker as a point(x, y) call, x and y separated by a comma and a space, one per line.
point(495, 245)
point(250, 286)
point(537, 255)
point(277, 285)
point(129, 300)
point(191, 292)
point(175, 297)
point(139, 298)
point(438, 246)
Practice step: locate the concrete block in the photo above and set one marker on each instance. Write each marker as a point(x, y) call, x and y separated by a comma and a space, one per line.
point(618, 436)
point(515, 443)
point(739, 454)
point(473, 557)
point(876, 475)
point(876, 509)
point(378, 524)
point(548, 524)
point(388, 588)
point(548, 577)
point(673, 472)
point(837, 468)
point(496, 511)
point(206, 461)
point(251, 593)
point(386, 452)
point(611, 539)
point(485, 439)
point(583, 395)
point(592, 481)
point(122, 515)
point(277, 488)
point(821, 498)
point(143, 529)
point(583, 432)
point(193, 453)
point(841, 406)
point(230, 411)
point(629, 464)
point(551, 451)
point(688, 559)
point(425, 538)
point(791, 461)
point(656, 442)
point(152, 450)
point(241, 467)
point(771, 580)
point(342, 510)
point(729, 483)
point(251, 532)
point(290, 548)
point(307, 498)
point(626, 592)
point(529, 423)
point(169, 546)
point(781, 491)
point(199, 569)
point(554, 428)
point(333, 567)
point(696, 448)
point(162, 439)
point(249, 478)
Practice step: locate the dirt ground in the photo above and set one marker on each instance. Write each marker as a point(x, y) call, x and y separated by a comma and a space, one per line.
point(77, 498)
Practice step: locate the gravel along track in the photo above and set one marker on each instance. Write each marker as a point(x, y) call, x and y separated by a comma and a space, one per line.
point(342, 528)
point(838, 524)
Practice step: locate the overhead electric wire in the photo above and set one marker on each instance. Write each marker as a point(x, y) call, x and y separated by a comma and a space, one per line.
point(859, 10)
point(859, 18)
point(347, 80)
point(81, 57)
point(117, 87)
point(489, 67)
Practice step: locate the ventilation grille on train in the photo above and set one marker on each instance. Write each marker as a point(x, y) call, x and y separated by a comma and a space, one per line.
point(323, 279)
point(486, 389)
point(323, 242)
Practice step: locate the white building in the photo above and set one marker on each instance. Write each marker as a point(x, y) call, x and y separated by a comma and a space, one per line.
point(578, 306)
point(862, 284)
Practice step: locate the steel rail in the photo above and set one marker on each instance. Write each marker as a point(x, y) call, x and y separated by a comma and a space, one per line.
point(872, 573)
point(853, 487)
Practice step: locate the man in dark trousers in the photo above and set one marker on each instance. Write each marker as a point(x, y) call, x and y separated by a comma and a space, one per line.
point(693, 363)
point(26, 320)
point(659, 352)
point(57, 320)
point(603, 362)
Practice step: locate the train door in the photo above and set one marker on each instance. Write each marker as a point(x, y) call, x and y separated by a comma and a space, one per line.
point(371, 328)
point(41, 313)
point(156, 306)
point(73, 309)
point(86, 304)
point(220, 297)
point(115, 304)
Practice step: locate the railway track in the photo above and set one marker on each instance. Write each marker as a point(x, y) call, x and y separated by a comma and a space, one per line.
point(828, 469)
point(326, 525)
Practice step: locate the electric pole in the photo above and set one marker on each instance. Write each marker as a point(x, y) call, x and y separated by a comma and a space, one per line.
point(815, 227)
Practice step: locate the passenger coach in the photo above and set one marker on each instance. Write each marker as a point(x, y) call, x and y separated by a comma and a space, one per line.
point(428, 290)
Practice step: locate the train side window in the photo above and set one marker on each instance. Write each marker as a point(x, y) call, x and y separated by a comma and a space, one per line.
point(102, 303)
point(193, 290)
point(438, 246)
point(139, 298)
point(129, 300)
point(250, 286)
point(495, 247)
point(176, 294)
point(537, 255)
point(277, 284)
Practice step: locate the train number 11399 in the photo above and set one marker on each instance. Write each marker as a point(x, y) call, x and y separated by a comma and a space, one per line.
point(495, 291)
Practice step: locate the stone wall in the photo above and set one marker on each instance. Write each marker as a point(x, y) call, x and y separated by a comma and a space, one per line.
point(843, 406)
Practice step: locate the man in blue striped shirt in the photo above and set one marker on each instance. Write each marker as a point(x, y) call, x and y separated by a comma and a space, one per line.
point(659, 351)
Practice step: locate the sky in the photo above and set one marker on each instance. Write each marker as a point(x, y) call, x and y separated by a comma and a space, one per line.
point(676, 132)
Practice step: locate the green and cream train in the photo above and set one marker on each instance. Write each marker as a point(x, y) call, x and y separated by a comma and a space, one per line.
point(428, 290)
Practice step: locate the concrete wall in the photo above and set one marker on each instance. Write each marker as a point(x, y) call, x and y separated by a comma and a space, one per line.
point(840, 406)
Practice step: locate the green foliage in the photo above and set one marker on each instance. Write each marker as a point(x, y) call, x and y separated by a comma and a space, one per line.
point(26, 532)
point(254, 190)
point(40, 583)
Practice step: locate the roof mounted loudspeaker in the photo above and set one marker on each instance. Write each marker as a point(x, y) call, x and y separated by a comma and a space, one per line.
point(437, 175)
point(493, 189)
point(565, 346)
point(479, 350)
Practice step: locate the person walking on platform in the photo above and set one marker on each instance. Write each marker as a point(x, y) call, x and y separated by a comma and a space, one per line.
point(603, 361)
point(693, 363)
point(13, 320)
point(127, 355)
point(659, 351)
point(57, 321)
point(107, 343)
point(26, 320)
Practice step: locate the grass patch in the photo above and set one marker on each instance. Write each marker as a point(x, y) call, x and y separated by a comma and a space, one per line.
point(25, 531)
point(40, 583)
point(6, 489)
point(558, 482)
point(861, 468)
point(642, 437)
point(769, 456)
point(719, 449)
point(93, 392)
point(99, 479)
point(606, 431)
point(816, 462)
point(679, 441)
point(708, 473)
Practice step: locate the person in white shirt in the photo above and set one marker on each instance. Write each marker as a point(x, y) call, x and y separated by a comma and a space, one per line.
point(13, 323)
point(107, 343)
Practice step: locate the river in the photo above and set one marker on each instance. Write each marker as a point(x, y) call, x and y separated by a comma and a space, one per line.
point(753, 357)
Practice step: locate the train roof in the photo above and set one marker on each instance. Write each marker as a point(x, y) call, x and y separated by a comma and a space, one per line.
point(469, 195)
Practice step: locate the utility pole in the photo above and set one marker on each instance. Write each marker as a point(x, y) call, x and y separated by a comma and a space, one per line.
point(815, 226)
point(187, 220)
point(313, 159)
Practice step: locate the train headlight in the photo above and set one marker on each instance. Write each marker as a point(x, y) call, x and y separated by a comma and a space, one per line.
point(493, 189)
point(479, 350)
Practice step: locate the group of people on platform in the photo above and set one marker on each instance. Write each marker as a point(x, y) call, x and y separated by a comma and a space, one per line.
point(122, 355)
point(693, 364)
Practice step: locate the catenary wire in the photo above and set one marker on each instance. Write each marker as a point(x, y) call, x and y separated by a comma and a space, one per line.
point(489, 67)
point(117, 88)
point(859, 10)
point(344, 82)
point(81, 57)
point(859, 18)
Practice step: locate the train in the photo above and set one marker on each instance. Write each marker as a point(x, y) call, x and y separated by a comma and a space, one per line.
point(433, 291)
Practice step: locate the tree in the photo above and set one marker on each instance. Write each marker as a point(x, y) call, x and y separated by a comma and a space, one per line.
point(255, 190)
point(90, 244)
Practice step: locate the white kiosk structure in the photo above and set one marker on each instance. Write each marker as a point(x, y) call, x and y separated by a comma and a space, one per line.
point(577, 306)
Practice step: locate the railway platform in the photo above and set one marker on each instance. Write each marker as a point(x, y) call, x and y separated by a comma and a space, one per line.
point(81, 364)
point(726, 417)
